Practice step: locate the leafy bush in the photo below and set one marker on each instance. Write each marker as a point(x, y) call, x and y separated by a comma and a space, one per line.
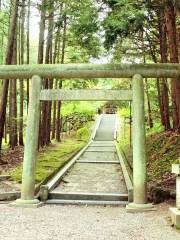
point(85, 108)
point(124, 112)
point(83, 133)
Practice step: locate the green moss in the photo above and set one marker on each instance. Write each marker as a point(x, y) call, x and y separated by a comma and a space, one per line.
point(163, 149)
point(51, 158)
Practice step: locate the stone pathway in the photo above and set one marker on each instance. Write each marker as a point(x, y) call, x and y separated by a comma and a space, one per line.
point(105, 131)
point(93, 177)
point(98, 169)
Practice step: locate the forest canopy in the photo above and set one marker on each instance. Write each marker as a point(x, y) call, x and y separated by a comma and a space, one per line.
point(88, 31)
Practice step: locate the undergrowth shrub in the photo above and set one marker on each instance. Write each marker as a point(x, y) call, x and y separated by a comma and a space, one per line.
point(83, 133)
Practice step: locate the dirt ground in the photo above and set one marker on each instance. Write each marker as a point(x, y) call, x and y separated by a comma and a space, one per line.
point(54, 222)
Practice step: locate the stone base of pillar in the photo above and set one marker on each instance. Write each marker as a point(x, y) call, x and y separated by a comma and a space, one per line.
point(34, 203)
point(134, 207)
point(175, 216)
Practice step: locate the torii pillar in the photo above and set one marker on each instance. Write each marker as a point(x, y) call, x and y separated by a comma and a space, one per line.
point(139, 150)
point(30, 150)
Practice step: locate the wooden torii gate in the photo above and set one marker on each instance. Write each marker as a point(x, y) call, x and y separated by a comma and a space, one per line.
point(137, 72)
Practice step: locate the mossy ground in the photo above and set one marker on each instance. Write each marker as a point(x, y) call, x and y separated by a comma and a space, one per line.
point(54, 156)
point(51, 158)
point(163, 149)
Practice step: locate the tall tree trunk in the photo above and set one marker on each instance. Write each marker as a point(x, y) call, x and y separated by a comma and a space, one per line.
point(64, 40)
point(28, 45)
point(41, 56)
point(13, 136)
point(150, 120)
point(49, 59)
point(164, 59)
point(46, 114)
point(41, 32)
point(55, 56)
point(58, 121)
point(158, 84)
point(178, 24)
point(21, 83)
point(9, 57)
point(58, 124)
point(54, 113)
point(159, 94)
point(2, 45)
point(173, 50)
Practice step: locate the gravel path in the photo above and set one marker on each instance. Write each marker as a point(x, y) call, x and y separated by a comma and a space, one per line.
point(82, 222)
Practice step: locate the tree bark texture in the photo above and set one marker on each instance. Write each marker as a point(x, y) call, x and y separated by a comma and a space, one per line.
point(9, 57)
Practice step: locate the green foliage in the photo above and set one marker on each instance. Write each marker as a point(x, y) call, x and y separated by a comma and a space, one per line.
point(80, 83)
point(83, 133)
point(157, 128)
point(86, 108)
point(126, 17)
point(124, 112)
point(83, 25)
point(75, 121)
point(131, 31)
point(4, 19)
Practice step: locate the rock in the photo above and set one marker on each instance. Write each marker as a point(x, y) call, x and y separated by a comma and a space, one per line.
point(159, 195)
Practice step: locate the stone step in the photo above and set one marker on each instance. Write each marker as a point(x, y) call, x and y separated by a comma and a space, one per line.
point(86, 202)
point(101, 145)
point(91, 161)
point(99, 156)
point(88, 196)
point(101, 149)
point(103, 142)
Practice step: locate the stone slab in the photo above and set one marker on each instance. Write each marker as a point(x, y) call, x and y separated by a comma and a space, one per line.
point(176, 168)
point(35, 203)
point(4, 177)
point(8, 196)
point(91, 161)
point(135, 208)
point(38, 205)
point(101, 145)
point(175, 216)
point(102, 142)
point(100, 150)
point(88, 196)
point(86, 202)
